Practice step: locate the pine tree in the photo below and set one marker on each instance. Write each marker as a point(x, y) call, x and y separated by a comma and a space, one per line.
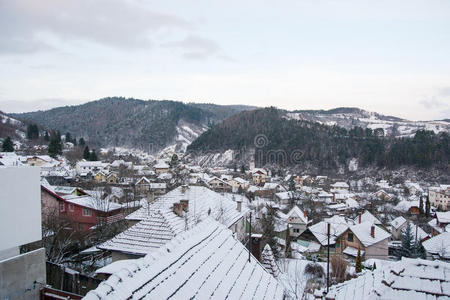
point(81, 142)
point(174, 160)
point(358, 263)
point(8, 145)
point(46, 136)
point(268, 224)
point(32, 132)
point(407, 243)
point(68, 137)
point(93, 155)
point(243, 169)
point(54, 147)
point(427, 207)
point(86, 153)
point(291, 184)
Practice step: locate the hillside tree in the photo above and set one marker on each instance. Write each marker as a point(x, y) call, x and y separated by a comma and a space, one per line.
point(8, 145)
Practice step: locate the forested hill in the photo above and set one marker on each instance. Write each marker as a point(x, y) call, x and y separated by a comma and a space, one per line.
point(149, 125)
point(277, 138)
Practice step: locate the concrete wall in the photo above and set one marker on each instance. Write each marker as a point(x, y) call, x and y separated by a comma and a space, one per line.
point(22, 276)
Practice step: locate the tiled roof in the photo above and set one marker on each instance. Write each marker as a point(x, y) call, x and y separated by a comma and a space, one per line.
point(159, 224)
point(206, 262)
point(405, 279)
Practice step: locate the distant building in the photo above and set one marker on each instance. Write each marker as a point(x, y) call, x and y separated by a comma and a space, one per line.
point(440, 197)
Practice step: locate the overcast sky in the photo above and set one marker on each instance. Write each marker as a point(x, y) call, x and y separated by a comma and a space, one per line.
point(389, 56)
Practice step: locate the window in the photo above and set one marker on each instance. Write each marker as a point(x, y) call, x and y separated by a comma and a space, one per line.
point(86, 212)
point(296, 230)
point(350, 237)
point(70, 207)
point(61, 207)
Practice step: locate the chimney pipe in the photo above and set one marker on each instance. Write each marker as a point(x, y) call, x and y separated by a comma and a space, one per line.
point(359, 218)
point(149, 197)
point(304, 213)
point(372, 231)
point(239, 205)
point(185, 205)
point(184, 187)
point(178, 209)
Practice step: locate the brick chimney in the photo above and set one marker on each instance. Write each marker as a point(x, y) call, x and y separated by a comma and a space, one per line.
point(372, 231)
point(184, 187)
point(304, 214)
point(359, 218)
point(256, 241)
point(185, 205)
point(178, 209)
point(239, 205)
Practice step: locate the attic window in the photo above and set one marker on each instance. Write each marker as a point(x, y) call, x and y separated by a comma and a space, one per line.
point(350, 237)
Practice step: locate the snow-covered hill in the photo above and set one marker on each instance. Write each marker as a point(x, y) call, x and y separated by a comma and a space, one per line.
point(351, 117)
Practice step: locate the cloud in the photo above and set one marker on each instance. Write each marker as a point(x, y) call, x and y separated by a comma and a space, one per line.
point(16, 106)
point(194, 47)
point(432, 103)
point(26, 25)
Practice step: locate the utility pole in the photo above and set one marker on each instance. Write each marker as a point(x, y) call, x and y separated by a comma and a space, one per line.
point(328, 256)
point(250, 238)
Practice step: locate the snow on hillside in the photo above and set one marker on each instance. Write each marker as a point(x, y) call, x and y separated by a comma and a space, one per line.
point(357, 117)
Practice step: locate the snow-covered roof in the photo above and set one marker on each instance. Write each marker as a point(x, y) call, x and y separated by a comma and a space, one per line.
point(270, 186)
point(405, 279)
point(159, 224)
point(161, 165)
point(338, 225)
point(340, 184)
point(439, 245)
point(352, 251)
point(158, 185)
point(298, 213)
point(258, 170)
point(397, 222)
point(90, 202)
point(240, 180)
point(9, 159)
point(443, 217)
point(203, 263)
point(143, 180)
point(284, 195)
point(363, 230)
point(368, 217)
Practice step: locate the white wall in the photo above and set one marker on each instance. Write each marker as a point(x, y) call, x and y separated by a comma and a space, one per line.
point(20, 206)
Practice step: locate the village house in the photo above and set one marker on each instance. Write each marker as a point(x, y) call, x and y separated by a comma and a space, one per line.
point(318, 233)
point(84, 167)
point(284, 198)
point(219, 185)
point(40, 160)
point(100, 176)
point(161, 167)
point(259, 176)
point(83, 211)
point(297, 220)
point(238, 182)
point(440, 197)
point(112, 178)
point(413, 188)
point(440, 223)
point(340, 187)
point(142, 185)
point(158, 222)
point(205, 261)
point(370, 239)
point(397, 226)
point(383, 196)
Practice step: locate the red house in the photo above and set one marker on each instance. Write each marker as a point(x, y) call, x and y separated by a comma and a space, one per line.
point(83, 211)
